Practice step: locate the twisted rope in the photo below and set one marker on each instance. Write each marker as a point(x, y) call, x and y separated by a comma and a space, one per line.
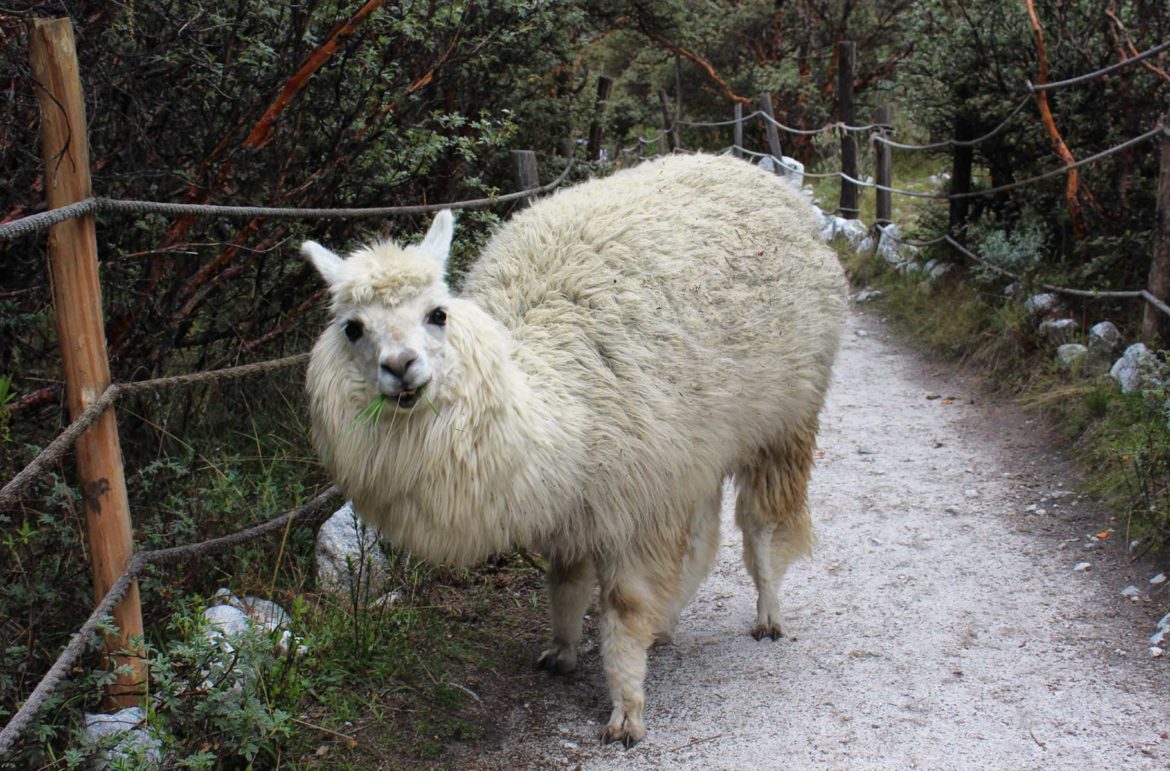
point(309, 512)
point(10, 494)
point(1099, 73)
point(1089, 293)
point(959, 142)
point(38, 222)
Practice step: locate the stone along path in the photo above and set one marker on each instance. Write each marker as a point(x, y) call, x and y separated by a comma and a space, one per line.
point(940, 624)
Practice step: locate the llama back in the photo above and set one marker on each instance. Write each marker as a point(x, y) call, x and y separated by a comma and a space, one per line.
point(687, 304)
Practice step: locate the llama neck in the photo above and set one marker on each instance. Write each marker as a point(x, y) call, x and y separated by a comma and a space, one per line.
point(478, 477)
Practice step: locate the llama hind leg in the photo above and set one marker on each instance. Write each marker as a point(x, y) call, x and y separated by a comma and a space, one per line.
point(570, 585)
point(772, 511)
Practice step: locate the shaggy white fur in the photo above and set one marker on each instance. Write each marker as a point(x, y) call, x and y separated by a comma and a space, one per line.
point(617, 350)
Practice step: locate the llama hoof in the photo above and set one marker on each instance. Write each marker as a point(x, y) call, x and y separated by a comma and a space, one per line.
point(661, 638)
point(627, 732)
point(558, 659)
point(772, 630)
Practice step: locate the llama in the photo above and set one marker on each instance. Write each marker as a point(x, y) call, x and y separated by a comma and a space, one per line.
point(617, 351)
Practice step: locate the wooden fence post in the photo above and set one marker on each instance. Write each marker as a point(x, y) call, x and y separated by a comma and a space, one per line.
point(883, 161)
point(524, 168)
point(669, 121)
point(770, 128)
point(596, 126)
point(77, 301)
point(1155, 325)
point(738, 141)
point(961, 161)
point(846, 113)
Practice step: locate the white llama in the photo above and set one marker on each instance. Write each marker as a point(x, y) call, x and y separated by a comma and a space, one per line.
point(616, 352)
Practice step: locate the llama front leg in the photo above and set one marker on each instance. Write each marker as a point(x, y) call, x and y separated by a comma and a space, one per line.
point(632, 609)
point(570, 585)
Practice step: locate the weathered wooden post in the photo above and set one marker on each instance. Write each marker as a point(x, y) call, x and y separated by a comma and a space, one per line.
point(77, 301)
point(846, 50)
point(597, 125)
point(774, 148)
point(737, 141)
point(962, 157)
point(1155, 325)
point(524, 169)
point(669, 122)
point(883, 161)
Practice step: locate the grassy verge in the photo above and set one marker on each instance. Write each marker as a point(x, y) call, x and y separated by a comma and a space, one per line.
point(1121, 440)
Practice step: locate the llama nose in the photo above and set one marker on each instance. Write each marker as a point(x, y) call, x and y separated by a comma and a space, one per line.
point(398, 364)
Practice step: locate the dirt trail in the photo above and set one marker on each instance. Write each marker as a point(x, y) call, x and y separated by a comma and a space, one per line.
point(939, 625)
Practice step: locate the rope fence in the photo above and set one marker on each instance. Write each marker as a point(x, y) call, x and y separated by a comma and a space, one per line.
point(1093, 294)
point(313, 511)
point(310, 513)
point(10, 494)
point(36, 223)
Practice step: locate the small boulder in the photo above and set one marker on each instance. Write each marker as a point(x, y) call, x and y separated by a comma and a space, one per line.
point(865, 295)
point(1127, 371)
point(1042, 304)
point(344, 543)
point(1071, 356)
point(790, 169)
point(853, 231)
point(1105, 342)
point(1058, 331)
point(137, 748)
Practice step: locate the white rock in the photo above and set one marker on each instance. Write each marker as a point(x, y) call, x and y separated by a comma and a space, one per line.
point(264, 613)
point(1041, 304)
point(938, 271)
point(1127, 371)
point(342, 542)
point(853, 231)
point(1132, 592)
point(888, 247)
point(225, 620)
point(1081, 567)
point(1156, 652)
point(971, 493)
point(865, 295)
point(1104, 340)
point(790, 169)
point(866, 245)
point(1158, 579)
point(1059, 331)
point(136, 745)
point(1071, 355)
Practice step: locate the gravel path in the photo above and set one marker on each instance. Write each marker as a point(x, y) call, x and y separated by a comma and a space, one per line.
point(939, 625)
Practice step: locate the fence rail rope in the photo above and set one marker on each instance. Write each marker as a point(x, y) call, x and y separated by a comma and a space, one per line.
point(1089, 293)
point(10, 494)
point(72, 652)
point(36, 223)
point(950, 143)
point(1101, 72)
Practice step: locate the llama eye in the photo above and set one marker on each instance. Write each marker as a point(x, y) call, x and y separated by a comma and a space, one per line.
point(353, 330)
point(438, 317)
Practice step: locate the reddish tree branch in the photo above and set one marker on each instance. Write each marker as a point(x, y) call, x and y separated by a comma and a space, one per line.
point(261, 133)
point(1058, 144)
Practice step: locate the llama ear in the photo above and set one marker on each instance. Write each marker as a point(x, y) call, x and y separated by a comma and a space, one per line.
point(329, 265)
point(437, 241)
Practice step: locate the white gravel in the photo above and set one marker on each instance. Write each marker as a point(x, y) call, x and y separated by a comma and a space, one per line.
point(939, 625)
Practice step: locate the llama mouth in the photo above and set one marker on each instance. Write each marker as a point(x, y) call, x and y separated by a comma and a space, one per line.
point(408, 397)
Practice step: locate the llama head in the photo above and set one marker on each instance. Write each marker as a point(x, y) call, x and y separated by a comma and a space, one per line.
point(390, 312)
